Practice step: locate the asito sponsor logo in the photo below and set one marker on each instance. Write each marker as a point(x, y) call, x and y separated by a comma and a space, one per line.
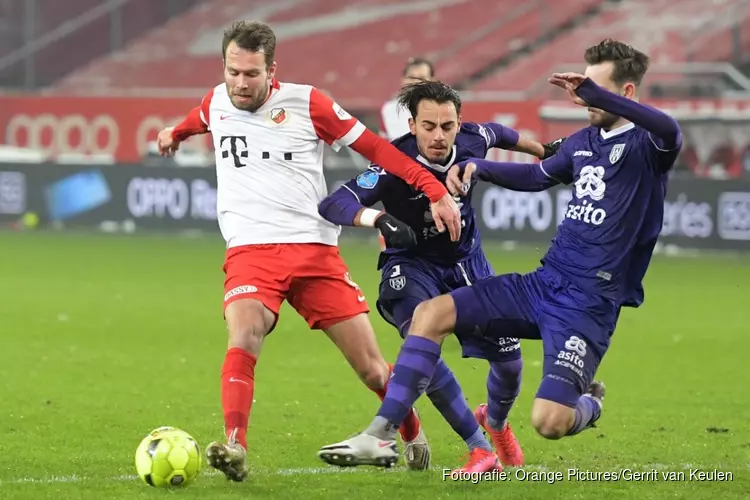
point(590, 184)
point(573, 355)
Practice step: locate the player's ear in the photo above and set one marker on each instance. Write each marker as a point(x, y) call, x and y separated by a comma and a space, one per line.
point(272, 70)
point(629, 90)
point(458, 123)
point(412, 126)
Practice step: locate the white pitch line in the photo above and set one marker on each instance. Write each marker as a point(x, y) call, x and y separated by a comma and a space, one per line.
point(314, 471)
point(302, 471)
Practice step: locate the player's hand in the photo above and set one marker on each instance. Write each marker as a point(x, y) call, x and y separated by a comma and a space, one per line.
point(445, 214)
point(459, 178)
point(551, 147)
point(166, 143)
point(395, 233)
point(569, 82)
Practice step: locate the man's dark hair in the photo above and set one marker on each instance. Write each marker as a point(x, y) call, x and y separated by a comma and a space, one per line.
point(419, 61)
point(630, 65)
point(411, 95)
point(254, 36)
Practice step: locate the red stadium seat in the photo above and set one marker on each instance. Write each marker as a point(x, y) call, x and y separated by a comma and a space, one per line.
point(662, 28)
point(183, 55)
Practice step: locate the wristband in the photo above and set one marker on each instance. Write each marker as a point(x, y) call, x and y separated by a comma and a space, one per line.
point(368, 216)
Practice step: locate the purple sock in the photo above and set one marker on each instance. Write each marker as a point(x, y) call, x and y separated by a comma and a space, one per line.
point(587, 412)
point(448, 398)
point(412, 373)
point(503, 387)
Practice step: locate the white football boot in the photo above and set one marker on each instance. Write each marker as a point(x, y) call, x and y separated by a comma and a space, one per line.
point(362, 449)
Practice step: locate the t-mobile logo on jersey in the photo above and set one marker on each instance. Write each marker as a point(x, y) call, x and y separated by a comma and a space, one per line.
point(590, 184)
point(237, 148)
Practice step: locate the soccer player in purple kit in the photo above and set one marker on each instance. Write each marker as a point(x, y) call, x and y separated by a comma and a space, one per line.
point(420, 263)
point(595, 265)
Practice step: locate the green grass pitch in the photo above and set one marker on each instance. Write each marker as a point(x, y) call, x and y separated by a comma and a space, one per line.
point(105, 337)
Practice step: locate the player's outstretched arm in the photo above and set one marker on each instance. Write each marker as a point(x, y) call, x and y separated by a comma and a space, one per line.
point(346, 205)
point(196, 122)
point(515, 176)
point(542, 151)
point(662, 127)
point(502, 137)
point(664, 130)
point(343, 207)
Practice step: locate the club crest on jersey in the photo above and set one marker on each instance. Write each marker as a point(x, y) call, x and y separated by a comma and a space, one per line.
point(397, 283)
point(278, 115)
point(616, 153)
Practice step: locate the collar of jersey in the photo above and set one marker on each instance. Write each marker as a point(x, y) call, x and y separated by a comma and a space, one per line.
point(617, 131)
point(275, 85)
point(436, 166)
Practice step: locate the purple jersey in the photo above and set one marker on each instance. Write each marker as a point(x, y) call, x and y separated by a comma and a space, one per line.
point(413, 207)
point(605, 242)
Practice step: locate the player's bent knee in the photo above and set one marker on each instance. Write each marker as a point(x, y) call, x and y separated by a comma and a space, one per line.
point(375, 377)
point(373, 371)
point(434, 318)
point(550, 419)
point(248, 322)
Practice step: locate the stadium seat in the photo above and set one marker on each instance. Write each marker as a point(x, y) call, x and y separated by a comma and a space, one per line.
point(659, 27)
point(184, 53)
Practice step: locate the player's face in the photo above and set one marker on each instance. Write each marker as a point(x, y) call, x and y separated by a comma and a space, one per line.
point(416, 73)
point(601, 74)
point(247, 77)
point(435, 126)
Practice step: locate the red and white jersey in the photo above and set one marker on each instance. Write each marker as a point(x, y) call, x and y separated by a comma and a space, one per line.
point(269, 164)
point(395, 120)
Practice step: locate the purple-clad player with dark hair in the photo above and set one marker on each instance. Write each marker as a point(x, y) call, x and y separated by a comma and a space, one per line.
point(595, 265)
point(420, 262)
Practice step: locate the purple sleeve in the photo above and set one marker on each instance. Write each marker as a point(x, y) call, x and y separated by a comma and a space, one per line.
point(663, 129)
point(498, 136)
point(515, 176)
point(340, 207)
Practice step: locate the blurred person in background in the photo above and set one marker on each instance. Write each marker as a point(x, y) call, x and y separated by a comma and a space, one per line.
point(394, 118)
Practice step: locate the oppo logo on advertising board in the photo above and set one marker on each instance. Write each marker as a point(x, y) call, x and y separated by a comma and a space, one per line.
point(502, 209)
point(173, 198)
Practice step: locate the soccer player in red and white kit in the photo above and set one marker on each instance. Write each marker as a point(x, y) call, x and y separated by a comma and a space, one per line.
point(269, 139)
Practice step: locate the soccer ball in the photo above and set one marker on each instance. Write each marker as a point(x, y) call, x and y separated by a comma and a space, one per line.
point(168, 457)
